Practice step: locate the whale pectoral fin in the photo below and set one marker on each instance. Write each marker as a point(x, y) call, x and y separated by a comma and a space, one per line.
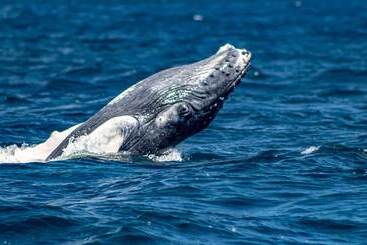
point(42, 150)
point(111, 135)
point(106, 137)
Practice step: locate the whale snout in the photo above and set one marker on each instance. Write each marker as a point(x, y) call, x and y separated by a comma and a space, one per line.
point(230, 48)
point(229, 65)
point(217, 76)
point(234, 58)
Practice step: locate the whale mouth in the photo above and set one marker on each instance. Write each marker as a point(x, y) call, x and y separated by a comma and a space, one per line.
point(218, 103)
point(232, 85)
point(231, 65)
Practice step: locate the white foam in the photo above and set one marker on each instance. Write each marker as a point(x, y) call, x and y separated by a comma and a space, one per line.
point(14, 153)
point(310, 150)
point(33, 153)
point(170, 155)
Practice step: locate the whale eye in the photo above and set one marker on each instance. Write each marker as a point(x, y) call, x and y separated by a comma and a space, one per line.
point(184, 110)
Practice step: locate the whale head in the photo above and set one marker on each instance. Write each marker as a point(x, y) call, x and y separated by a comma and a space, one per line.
point(177, 103)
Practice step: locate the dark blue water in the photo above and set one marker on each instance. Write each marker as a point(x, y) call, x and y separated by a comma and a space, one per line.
point(284, 162)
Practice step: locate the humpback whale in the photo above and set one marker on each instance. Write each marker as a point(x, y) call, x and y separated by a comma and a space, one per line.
point(160, 111)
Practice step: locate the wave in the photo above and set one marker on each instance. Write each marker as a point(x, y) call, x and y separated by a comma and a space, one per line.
point(310, 150)
point(342, 92)
point(337, 74)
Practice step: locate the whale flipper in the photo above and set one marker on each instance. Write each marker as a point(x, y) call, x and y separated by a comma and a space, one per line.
point(104, 134)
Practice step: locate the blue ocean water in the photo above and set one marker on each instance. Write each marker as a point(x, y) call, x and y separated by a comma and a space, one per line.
point(283, 163)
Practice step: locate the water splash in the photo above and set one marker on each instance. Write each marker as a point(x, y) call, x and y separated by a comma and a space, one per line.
point(310, 150)
point(33, 153)
point(36, 153)
point(20, 154)
point(170, 155)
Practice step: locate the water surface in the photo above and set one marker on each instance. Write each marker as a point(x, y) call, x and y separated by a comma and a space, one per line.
point(284, 162)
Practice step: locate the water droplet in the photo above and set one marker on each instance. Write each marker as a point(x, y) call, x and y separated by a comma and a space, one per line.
point(198, 17)
point(298, 4)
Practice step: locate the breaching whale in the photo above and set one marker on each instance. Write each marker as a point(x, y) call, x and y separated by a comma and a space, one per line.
point(158, 112)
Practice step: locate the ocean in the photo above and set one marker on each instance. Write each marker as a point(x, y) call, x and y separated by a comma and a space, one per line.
point(284, 162)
